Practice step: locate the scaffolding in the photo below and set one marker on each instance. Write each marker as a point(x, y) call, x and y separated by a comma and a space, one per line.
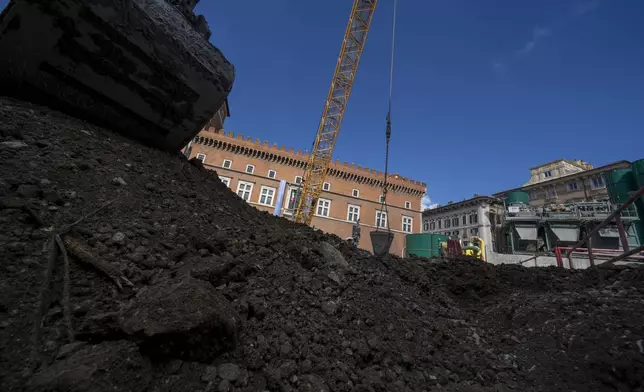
point(635, 254)
point(529, 229)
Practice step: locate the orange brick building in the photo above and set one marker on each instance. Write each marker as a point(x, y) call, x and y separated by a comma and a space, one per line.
point(254, 170)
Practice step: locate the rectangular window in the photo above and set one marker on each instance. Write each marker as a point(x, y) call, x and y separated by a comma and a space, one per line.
point(425, 226)
point(597, 182)
point(381, 199)
point(455, 222)
point(432, 226)
point(381, 219)
point(474, 218)
point(250, 169)
point(353, 213)
point(572, 187)
point(551, 191)
point(407, 224)
point(298, 179)
point(225, 180)
point(266, 196)
point(464, 220)
point(474, 230)
point(547, 174)
point(408, 205)
point(447, 224)
point(355, 193)
point(326, 186)
point(440, 224)
point(244, 189)
point(324, 206)
point(292, 199)
point(227, 164)
point(272, 174)
point(201, 157)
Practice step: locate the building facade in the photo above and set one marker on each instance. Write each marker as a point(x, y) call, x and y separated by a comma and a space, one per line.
point(555, 169)
point(558, 187)
point(256, 171)
point(217, 121)
point(478, 216)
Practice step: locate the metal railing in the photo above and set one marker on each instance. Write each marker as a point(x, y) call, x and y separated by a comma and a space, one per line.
point(608, 255)
point(589, 210)
point(616, 216)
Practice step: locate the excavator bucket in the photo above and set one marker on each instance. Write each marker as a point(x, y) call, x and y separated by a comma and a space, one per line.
point(143, 68)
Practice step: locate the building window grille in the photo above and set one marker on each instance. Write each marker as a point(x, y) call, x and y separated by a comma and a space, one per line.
point(407, 224)
point(266, 196)
point(323, 207)
point(353, 213)
point(244, 190)
point(381, 219)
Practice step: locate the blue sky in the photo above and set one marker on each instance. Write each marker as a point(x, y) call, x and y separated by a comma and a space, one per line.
point(483, 90)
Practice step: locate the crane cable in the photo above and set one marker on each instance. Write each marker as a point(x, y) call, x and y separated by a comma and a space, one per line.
point(383, 206)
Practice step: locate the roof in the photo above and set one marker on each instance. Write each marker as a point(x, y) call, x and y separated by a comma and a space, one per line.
point(588, 172)
point(249, 142)
point(473, 201)
point(572, 162)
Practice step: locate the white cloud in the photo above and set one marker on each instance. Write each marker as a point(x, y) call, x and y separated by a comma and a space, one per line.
point(499, 67)
point(426, 202)
point(540, 32)
point(579, 9)
point(584, 7)
point(537, 34)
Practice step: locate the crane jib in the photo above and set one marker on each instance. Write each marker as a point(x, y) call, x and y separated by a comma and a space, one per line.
point(346, 67)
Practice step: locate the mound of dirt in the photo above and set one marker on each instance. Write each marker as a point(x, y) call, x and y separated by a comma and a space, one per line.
point(176, 284)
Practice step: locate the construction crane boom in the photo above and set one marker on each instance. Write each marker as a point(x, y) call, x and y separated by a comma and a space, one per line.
point(355, 38)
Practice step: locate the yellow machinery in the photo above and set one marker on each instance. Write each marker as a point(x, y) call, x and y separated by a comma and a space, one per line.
point(475, 247)
point(355, 38)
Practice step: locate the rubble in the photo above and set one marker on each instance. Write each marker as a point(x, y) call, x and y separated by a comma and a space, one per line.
point(223, 297)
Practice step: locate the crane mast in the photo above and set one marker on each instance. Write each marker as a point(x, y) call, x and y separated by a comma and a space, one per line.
point(346, 67)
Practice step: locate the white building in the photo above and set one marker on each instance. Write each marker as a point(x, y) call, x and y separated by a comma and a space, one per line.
point(478, 216)
point(556, 169)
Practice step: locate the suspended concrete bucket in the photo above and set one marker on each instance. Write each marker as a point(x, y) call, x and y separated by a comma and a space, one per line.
point(381, 242)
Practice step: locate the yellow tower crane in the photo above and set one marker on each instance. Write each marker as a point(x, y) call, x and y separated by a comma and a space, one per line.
point(355, 38)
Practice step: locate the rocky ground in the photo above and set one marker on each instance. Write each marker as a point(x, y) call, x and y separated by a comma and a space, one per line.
point(176, 284)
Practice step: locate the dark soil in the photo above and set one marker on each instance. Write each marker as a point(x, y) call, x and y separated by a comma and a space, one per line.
point(227, 298)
